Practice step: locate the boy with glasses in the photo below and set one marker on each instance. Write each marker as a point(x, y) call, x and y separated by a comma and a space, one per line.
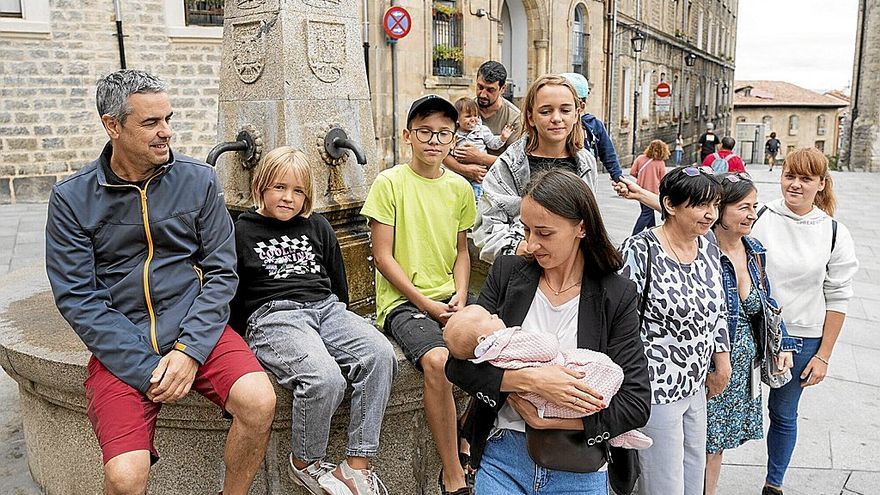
point(419, 215)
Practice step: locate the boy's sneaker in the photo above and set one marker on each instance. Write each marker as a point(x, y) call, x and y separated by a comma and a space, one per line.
point(354, 481)
point(310, 477)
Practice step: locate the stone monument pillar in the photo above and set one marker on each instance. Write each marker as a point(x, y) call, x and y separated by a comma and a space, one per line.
point(292, 71)
point(861, 149)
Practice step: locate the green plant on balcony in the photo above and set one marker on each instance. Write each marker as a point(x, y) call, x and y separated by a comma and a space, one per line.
point(446, 52)
point(445, 11)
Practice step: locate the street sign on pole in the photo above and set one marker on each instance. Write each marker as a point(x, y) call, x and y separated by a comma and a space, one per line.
point(396, 22)
point(663, 90)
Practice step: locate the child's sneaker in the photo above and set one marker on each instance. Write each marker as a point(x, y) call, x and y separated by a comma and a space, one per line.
point(355, 481)
point(310, 477)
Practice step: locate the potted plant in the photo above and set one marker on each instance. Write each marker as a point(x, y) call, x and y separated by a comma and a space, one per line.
point(448, 60)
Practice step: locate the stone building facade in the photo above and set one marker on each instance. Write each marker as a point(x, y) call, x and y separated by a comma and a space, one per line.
point(862, 129)
point(691, 46)
point(801, 118)
point(51, 54)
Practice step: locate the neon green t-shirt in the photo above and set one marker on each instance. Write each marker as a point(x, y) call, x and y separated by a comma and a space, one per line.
point(427, 215)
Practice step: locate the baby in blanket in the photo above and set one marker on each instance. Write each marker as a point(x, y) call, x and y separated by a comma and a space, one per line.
point(472, 333)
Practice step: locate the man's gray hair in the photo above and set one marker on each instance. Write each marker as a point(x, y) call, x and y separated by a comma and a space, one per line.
point(114, 89)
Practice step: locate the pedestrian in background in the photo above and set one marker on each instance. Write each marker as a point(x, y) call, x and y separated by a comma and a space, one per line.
point(771, 149)
point(725, 160)
point(708, 142)
point(648, 169)
point(679, 150)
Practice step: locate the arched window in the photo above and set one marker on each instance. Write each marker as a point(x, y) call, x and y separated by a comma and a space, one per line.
point(580, 41)
point(821, 125)
point(792, 125)
point(768, 123)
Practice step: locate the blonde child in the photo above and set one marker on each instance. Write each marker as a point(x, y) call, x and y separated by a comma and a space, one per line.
point(291, 304)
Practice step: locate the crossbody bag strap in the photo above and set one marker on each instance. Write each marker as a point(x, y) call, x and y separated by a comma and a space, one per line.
point(643, 304)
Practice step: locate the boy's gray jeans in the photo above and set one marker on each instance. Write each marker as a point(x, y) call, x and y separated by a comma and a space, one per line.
point(308, 347)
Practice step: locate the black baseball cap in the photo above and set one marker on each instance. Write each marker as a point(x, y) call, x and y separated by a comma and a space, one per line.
point(429, 104)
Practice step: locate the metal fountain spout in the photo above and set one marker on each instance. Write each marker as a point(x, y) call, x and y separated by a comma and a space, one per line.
point(248, 143)
point(336, 141)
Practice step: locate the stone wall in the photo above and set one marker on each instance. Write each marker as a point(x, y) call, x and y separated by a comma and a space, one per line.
point(863, 132)
point(807, 132)
point(49, 127)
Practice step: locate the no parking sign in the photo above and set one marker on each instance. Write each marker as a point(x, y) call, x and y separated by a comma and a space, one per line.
point(396, 22)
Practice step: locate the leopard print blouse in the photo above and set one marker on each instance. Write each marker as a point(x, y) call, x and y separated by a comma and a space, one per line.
point(685, 316)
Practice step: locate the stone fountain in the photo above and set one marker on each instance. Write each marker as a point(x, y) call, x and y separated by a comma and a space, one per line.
point(292, 74)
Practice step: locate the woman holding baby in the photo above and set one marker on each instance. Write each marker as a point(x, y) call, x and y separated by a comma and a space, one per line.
point(567, 284)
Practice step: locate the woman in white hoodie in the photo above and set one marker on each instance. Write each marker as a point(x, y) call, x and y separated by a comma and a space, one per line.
point(811, 259)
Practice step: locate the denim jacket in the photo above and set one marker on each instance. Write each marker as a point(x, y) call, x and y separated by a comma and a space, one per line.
point(597, 142)
point(754, 250)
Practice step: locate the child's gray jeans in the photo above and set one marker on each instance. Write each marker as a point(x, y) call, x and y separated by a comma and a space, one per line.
point(312, 348)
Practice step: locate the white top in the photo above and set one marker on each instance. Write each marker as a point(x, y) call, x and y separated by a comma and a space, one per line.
point(807, 278)
point(560, 321)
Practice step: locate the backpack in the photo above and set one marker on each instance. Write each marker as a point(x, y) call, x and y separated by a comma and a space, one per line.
point(721, 165)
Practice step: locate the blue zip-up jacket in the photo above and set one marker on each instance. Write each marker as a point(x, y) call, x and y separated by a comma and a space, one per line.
point(139, 271)
point(597, 142)
point(754, 250)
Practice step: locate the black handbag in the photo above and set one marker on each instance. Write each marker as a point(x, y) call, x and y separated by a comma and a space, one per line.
point(564, 450)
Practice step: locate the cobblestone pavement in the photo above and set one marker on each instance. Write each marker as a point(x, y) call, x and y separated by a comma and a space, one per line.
point(839, 420)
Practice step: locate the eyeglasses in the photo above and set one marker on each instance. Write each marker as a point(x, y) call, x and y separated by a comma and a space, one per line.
point(696, 171)
point(426, 135)
point(734, 178)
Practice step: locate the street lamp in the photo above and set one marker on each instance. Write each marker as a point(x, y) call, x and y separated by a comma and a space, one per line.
point(638, 44)
point(690, 59)
point(638, 41)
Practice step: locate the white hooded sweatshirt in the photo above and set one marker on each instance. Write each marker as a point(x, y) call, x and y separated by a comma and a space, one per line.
point(806, 277)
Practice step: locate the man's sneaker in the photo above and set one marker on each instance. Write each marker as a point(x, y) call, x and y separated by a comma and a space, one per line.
point(769, 490)
point(355, 481)
point(310, 476)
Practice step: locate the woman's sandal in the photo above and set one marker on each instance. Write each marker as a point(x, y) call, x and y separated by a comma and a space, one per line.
point(465, 490)
point(470, 474)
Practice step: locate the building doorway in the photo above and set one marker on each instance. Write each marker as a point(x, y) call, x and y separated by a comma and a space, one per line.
point(514, 45)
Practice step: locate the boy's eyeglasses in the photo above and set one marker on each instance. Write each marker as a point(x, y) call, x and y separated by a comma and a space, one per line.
point(734, 178)
point(696, 171)
point(425, 135)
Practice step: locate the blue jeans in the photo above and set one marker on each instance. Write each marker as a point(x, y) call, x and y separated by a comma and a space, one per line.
point(314, 349)
point(478, 190)
point(507, 469)
point(676, 156)
point(783, 405)
point(646, 219)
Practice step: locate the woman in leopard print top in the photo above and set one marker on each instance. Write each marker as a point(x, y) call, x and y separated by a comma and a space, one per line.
point(677, 268)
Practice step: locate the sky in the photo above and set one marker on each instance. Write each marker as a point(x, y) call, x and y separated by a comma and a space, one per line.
point(806, 42)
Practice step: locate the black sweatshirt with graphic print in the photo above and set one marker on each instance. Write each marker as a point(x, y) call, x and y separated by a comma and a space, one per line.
point(297, 260)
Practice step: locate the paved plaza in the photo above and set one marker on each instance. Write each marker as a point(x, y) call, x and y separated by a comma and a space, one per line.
point(840, 419)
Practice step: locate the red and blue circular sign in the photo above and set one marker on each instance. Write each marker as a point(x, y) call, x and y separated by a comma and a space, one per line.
point(397, 22)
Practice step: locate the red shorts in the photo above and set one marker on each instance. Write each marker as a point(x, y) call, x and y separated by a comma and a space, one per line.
point(124, 419)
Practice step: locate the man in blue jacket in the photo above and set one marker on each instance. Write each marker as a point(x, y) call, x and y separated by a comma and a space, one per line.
point(596, 139)
point(140, 254)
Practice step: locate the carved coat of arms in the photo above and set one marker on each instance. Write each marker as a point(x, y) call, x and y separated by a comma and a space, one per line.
point(326, 49)
point(249, 49)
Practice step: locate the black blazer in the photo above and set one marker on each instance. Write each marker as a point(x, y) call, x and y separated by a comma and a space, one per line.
point(608, 322)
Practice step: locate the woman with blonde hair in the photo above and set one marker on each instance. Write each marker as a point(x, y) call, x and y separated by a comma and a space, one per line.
point(648, 169)
point(812, 261)
point(552, 138)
